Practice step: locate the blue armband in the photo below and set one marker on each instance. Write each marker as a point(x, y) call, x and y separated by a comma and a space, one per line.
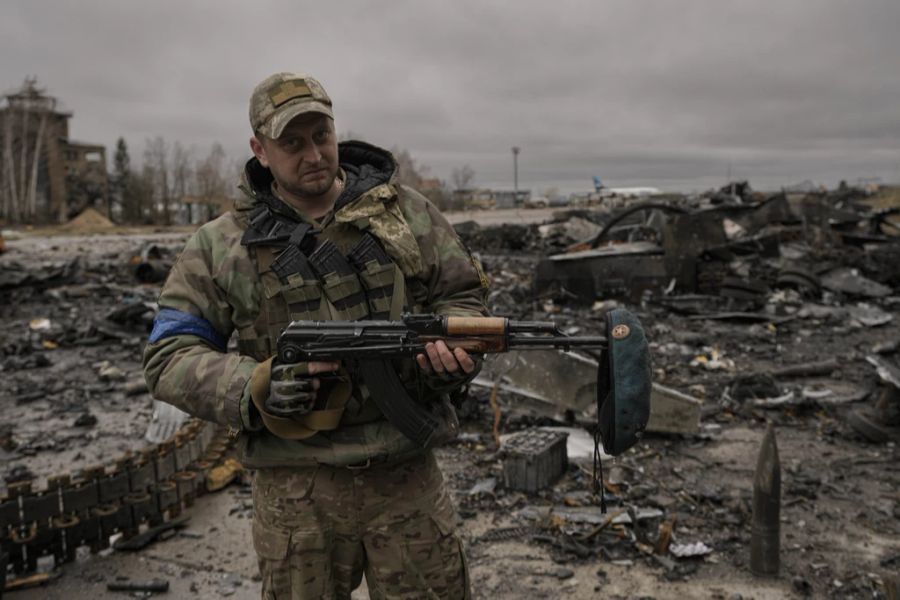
point(171, 322)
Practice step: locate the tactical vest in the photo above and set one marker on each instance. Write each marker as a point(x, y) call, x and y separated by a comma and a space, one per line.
point(357, 267)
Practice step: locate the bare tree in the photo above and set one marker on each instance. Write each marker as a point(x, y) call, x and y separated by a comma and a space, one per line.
point(169, 171)
point(211, 179)
point(10, 192)
point(32, 185)
point(408, 172)
point(172, 181)
point(139, 191)
point(209, 176)
point(119, 201)
point(156, 174)
point(134, 192)
point(181, 175)
point(462, 177)
point(25, 119)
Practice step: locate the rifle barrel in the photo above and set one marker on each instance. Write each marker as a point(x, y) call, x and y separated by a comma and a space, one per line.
point(534, 327)
point(563, 342)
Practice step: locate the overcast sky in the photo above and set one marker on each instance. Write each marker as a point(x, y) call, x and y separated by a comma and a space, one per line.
point(665, 93)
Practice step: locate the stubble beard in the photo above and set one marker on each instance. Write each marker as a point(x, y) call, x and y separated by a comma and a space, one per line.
point(312, 190)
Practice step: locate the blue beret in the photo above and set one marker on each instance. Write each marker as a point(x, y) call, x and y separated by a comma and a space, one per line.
point(623, 383)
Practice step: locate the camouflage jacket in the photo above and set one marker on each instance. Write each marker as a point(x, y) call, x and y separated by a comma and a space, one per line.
point(215, 290)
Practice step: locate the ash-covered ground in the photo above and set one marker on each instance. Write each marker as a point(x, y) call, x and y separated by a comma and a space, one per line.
point(73, 320)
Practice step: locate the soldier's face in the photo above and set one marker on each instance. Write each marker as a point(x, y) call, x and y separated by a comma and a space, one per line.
point(304, 160)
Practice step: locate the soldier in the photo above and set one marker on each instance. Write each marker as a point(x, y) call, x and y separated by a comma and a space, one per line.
point(322, 232)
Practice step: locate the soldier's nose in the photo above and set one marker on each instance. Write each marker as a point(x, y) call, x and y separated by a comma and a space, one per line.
point(313, 155)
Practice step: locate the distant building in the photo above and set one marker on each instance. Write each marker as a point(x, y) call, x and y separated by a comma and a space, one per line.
point(478, 199)
point(44, 176)
point(200, 209)
point(473, 199)
point(510, 199)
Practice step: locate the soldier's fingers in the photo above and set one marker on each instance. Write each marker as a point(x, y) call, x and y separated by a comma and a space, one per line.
point(300, 386)
point(465, 361)
point(448, 359)
point(423, 363)
point(280, 371)
point(322, 367)
point(434, 357)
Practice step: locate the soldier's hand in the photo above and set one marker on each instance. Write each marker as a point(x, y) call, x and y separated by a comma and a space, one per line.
point(438, 358)
point(293, 387)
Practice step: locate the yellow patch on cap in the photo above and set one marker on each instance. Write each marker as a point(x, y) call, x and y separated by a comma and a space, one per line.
point(288, 90)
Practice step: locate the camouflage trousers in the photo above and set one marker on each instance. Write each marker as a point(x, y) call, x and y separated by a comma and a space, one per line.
point(317, 530)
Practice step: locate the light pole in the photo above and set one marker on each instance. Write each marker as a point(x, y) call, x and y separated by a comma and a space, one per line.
point(515, 151)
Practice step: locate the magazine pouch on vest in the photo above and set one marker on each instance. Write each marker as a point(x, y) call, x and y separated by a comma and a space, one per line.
point(377, 272)
point(368, 282)
point(339, 281)
point(292, 292)
point(299, 285)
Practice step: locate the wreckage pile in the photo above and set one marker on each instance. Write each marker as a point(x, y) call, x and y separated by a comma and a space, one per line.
point(79, 453)
point(72, 326)
point(763, 308)
point(760, 309)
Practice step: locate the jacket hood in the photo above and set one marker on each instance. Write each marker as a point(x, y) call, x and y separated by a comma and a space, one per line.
point(365, 166)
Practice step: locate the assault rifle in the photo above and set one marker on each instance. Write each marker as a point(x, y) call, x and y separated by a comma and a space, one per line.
point(367, 347)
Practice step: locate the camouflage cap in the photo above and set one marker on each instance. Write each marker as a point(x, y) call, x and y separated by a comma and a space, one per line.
point(281, 97)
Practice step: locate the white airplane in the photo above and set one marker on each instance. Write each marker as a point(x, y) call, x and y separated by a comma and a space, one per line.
point(625, 192)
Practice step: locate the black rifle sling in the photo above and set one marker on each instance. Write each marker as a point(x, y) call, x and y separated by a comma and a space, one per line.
point(388, 393)
point(604, 430)
point(340, 281)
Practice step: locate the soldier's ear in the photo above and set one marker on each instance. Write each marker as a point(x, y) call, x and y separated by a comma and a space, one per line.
point(259, 150)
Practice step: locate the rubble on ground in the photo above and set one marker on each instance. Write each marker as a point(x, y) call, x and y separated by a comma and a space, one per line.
point(760, 309)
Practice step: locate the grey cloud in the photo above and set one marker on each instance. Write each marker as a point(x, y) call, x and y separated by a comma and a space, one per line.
point(641, 90)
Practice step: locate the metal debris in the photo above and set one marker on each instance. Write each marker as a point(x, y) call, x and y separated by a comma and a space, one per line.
point(672, 411)
point(484, 486)
point(156, 586)
point(146, 538)
point(690, 550)
point(534, 459)
point(849, 281)
point(765, 533)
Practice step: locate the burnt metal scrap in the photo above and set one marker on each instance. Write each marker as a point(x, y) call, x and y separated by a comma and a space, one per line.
point(70, 343)
point(759, 308)
point(765, 537)
point(564, 385)
point(86, 508)
point(534, 459)
point(706, 249)
point(152, 264)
